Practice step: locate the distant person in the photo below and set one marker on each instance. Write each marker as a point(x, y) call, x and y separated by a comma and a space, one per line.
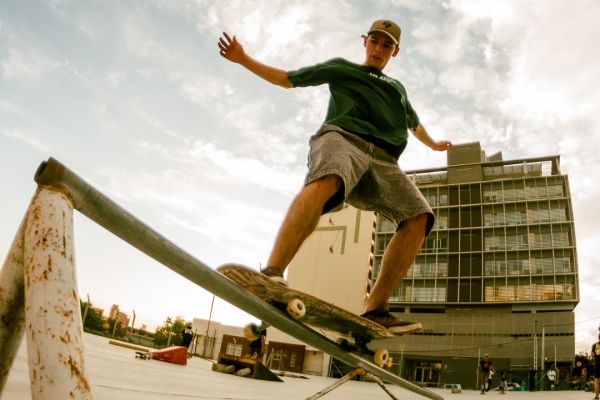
point(596, 360)
point(485, 369)
point(531, 379)
point(503, 382)
point(186, 336)
point(552, 378)
point(257, 346)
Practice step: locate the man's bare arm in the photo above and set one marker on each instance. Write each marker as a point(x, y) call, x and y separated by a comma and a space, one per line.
point(438, 145)
point(233, 51)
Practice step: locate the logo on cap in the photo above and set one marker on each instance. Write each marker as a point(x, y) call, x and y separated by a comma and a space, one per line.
point(388, 27)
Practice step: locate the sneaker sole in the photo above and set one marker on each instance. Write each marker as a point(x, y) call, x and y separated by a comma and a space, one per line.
point(278, 279)
point(406, 329)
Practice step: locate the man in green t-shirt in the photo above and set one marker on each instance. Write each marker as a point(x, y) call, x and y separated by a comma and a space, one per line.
point(354, 158)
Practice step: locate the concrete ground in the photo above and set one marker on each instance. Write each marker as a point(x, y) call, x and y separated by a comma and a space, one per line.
point(115, 373)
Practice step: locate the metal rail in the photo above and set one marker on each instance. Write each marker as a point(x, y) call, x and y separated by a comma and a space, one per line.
point(99, 208)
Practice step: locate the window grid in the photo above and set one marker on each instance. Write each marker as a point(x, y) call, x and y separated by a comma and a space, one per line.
point(492, 242)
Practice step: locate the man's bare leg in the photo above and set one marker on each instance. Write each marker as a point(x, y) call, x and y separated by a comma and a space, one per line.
point(301, 220)
point(397, 259)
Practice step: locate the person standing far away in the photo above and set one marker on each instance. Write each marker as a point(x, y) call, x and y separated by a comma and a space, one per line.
point(484, 368)
point(354, 159)
point(551, 377)
point(258, 345)
point(503, 382)
point(596, 361)
point(531, 379)
point(186, 336)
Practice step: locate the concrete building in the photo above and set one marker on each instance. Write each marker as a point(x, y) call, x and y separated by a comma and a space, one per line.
point(335, 264)
point(498, 273)
point(116, 314)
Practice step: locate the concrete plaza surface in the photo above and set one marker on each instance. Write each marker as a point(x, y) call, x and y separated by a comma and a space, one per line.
point(115, 373)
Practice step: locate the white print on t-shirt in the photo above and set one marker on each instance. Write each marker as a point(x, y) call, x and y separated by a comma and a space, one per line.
point(382, 77)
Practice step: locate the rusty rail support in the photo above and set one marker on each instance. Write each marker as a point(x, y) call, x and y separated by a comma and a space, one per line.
point(12, 306)
point(52, 311)
point(38, 296)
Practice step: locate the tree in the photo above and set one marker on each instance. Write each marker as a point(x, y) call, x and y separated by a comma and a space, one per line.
point(94, 321)
point(174, 327)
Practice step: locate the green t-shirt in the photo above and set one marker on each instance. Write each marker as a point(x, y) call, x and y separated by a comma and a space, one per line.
point(363, 101)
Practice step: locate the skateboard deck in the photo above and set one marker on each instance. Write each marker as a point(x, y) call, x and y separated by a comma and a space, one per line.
point(326, 318)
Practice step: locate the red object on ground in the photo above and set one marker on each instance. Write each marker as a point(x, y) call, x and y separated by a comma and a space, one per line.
point(173, 354)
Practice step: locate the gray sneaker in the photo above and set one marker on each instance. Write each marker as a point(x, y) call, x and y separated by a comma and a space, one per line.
point(396, 325)
point(274, 275)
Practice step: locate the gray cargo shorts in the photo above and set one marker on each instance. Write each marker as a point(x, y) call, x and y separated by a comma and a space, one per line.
point(373, 181)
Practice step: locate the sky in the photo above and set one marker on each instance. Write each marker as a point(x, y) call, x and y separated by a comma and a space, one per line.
point(134, 98)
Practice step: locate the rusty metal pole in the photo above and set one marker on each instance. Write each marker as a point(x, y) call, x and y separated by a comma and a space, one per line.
point(12, 306)
point(52, 312)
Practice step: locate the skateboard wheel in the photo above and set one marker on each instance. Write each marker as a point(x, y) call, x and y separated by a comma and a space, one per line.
point(381, 357)
point(251, 331)
point(296, 308)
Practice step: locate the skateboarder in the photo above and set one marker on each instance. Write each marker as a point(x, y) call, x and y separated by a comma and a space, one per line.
point(354, 157)
point(485, 368)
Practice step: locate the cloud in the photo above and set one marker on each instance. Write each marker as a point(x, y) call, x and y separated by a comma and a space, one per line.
point(26, 65)
point(289, 34)
point(235, 204)
point(28, 139)
point(11, 107)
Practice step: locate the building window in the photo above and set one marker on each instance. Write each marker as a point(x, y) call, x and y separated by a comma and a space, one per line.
point(428, 269)
point(538, 292)
point(385, 225)
point(234, 349)
point(410, 293)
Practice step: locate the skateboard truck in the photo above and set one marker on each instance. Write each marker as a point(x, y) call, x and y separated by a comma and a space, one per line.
point(381, 357)
point(295, 308)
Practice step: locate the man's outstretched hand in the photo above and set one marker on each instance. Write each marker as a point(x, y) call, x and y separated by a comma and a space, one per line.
point(441, 145)
point(231, 49)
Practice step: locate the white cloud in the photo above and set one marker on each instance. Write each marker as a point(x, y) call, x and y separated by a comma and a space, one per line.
point(26, 65)
point(11, 107)
point(494, 10)
point(29, 139)
point(209, 192)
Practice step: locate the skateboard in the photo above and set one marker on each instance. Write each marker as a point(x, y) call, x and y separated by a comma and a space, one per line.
point(349, 330)
point(144, 355)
